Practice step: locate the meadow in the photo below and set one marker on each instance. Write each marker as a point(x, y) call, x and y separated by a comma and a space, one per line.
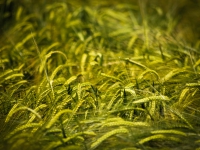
point(99, 75)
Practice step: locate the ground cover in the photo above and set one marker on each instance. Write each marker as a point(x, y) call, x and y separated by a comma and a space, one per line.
point(99, 76)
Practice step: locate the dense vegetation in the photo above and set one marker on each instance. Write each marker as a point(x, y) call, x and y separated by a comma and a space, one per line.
point(99, 75)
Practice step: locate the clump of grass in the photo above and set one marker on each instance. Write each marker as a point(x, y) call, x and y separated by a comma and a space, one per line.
point(92, 77)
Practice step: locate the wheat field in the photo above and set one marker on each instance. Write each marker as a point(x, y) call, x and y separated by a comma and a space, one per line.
point(89, 75)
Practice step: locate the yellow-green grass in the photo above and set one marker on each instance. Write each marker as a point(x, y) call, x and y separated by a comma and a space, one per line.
point(109, 75)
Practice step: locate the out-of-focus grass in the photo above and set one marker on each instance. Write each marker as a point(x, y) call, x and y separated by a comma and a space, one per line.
point(185, 12)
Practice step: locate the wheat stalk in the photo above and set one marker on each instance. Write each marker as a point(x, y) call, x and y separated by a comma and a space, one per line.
point(107, 135)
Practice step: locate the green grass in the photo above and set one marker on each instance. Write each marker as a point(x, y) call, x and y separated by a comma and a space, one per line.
point(98, 76)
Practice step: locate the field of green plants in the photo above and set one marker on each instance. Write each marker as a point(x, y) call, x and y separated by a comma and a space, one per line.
point(99, 75)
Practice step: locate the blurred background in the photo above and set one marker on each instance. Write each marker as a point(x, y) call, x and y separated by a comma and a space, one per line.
point(186, 12)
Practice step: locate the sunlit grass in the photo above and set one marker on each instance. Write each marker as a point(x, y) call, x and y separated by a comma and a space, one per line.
point(98, 77)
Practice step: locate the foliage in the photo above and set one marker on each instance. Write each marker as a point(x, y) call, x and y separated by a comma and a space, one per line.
point(97, 77)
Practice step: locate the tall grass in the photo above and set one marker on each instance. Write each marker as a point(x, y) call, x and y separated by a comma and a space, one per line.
point(97, 77)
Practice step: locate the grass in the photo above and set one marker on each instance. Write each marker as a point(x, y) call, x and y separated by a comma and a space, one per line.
point(98, 76)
